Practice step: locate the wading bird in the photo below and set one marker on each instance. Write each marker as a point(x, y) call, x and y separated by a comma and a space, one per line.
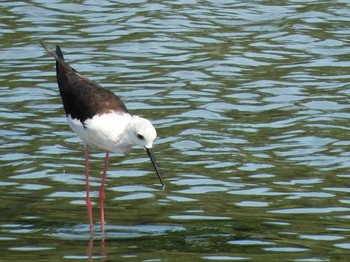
point(101, 120)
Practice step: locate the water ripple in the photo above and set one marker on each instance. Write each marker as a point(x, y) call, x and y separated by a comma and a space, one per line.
point(250, 101)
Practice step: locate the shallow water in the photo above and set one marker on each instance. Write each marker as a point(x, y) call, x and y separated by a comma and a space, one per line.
point(251, 103)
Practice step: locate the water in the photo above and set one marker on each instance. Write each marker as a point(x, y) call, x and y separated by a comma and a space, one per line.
point(250, 100)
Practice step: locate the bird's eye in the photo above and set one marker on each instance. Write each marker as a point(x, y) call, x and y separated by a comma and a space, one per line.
point(141, 137)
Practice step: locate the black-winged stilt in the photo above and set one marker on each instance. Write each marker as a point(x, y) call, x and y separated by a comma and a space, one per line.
point(101, 120)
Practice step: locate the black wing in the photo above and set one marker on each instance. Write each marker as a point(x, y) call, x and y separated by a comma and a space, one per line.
point(81, 97)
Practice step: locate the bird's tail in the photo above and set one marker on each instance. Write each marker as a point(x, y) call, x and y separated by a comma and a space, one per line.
point(58, 55)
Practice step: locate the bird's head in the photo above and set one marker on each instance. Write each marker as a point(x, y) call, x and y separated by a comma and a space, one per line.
point(144, 134)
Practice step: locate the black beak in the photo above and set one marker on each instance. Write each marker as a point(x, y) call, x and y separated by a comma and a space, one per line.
point(151, 156)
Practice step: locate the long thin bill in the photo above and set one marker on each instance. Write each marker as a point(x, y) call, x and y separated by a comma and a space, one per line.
point(153, 160)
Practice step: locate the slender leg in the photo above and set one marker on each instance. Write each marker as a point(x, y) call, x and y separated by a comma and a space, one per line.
point(103, 246)
point(102, 193)
point(89, 250)
point(88, 201)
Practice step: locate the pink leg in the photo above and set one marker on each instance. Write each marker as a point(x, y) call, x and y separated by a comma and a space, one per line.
point(102, 193)
point(88, 201)
point(89, 251)
point(103, 246)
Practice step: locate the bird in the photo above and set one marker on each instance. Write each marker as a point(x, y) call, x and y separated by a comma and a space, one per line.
point(102, 121)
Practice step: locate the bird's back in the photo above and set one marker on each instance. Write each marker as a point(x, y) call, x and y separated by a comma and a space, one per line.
point(81, 97)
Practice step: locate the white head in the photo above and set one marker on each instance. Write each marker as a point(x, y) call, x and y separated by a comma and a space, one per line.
point(143, 133)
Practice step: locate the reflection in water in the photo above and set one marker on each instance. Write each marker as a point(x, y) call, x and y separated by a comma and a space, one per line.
point(90, 249)
point(250, 101)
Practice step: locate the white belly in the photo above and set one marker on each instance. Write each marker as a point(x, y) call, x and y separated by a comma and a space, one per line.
point(107, 131)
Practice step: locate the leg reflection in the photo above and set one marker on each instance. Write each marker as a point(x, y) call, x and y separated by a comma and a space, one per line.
point(91, 246)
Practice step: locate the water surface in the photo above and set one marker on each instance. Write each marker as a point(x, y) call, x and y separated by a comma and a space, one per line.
point(251, 103)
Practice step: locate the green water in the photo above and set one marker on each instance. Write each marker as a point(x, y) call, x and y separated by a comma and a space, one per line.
point(251, 104)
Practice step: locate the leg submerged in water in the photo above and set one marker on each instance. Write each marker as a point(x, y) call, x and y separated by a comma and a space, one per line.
point(102, 193)
point(88, 201)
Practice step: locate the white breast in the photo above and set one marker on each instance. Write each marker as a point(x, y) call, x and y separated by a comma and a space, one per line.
point(107, 131)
